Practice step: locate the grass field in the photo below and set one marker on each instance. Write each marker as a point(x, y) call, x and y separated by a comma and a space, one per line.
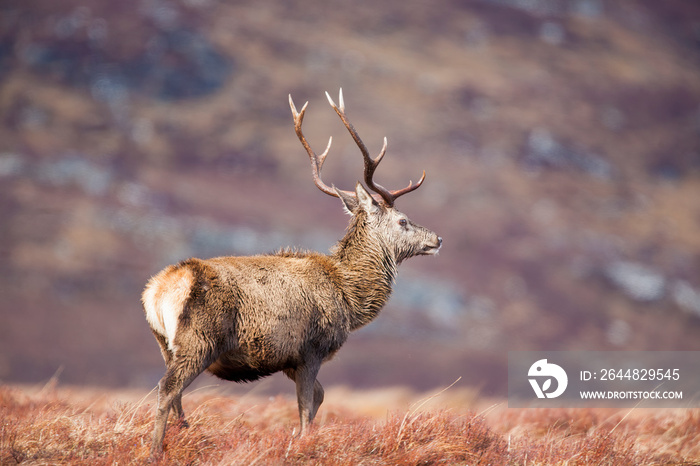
point(71, 425)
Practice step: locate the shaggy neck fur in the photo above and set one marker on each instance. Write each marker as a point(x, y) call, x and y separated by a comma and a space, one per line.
point(368, 269)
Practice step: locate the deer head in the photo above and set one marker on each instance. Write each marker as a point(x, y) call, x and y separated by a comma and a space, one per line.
point(391, 229)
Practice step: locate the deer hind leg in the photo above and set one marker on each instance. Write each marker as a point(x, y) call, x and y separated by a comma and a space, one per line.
point(168, 357)
point(309, 393)
point(182, 370)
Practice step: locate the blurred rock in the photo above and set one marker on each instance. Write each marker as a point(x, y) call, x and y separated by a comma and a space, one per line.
point(687, 297)
point(544, 151)
point(619, 332)
point(637, 281)
point(586, 8)
point(552, 33)
point(173, 64)
point(11, 164)
point(75, 170)
point(437, 299)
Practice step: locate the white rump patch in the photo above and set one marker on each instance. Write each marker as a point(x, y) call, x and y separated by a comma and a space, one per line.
point(164, 299)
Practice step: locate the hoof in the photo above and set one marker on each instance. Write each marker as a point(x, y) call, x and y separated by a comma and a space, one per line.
point(156, 454)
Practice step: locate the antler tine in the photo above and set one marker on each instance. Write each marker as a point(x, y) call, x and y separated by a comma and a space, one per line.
point(316, 160)
point(389, 197)
point(409, 188)
point(340, 110)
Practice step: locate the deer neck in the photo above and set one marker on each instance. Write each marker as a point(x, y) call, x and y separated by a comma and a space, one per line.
point(368, 269)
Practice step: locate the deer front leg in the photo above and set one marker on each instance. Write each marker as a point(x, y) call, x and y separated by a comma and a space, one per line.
point(309, 393)
point(318, 399)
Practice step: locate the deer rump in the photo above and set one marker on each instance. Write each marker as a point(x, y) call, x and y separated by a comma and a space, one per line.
point(265, 312)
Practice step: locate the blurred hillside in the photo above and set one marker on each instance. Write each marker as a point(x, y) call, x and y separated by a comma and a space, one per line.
point(561, 141)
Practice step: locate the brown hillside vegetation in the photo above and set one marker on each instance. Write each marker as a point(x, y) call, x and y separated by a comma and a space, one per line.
point(80, 426)
point(560, 141)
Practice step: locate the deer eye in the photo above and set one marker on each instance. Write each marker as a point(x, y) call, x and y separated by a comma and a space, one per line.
point(403, 222)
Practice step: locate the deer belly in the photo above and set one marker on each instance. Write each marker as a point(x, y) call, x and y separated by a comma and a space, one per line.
point(235, 367)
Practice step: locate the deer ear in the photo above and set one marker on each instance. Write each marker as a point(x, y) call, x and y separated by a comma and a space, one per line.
point(365, 199)
point(349, 202)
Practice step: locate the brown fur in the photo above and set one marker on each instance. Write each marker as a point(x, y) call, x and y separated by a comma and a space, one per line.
point(242, 318)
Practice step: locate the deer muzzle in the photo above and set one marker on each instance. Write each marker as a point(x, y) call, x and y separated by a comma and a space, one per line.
point(432, 249)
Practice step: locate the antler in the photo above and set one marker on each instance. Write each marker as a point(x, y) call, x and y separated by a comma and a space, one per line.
point(388, 197)
point(316, 161)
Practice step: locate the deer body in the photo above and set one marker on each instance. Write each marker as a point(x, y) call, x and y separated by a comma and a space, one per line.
point(242, 318)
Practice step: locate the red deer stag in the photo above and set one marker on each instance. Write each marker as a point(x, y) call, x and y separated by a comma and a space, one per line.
point(242, 318)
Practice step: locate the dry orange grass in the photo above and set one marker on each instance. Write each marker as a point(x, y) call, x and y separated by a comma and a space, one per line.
point(91, 426)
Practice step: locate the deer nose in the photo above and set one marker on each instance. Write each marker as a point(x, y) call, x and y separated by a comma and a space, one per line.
point(439, 243)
